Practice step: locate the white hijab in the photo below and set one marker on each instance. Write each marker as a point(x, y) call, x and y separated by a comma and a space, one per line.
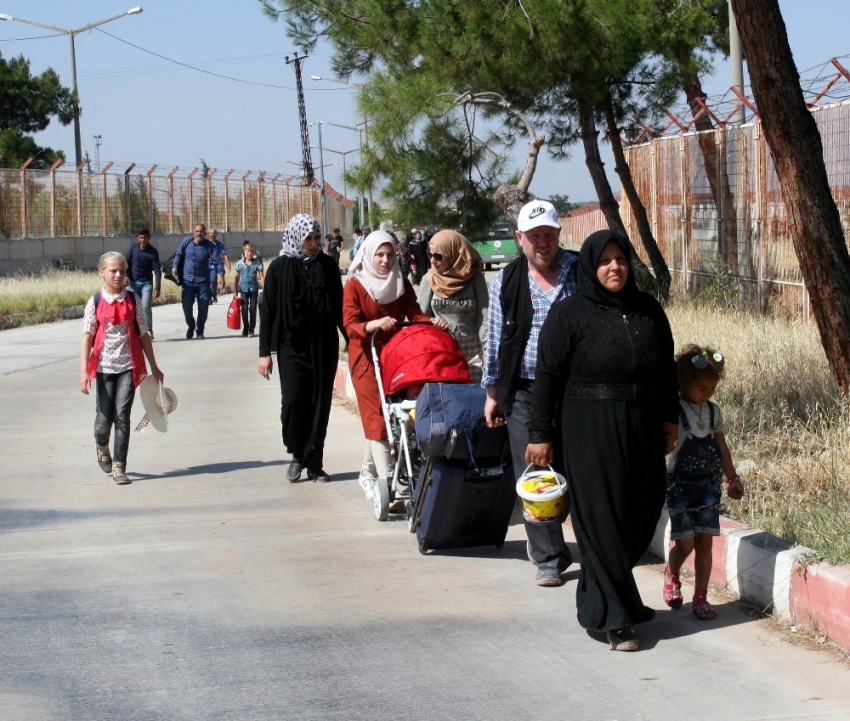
point(383, 288)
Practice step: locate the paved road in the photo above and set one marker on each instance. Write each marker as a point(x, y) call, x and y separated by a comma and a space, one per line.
point(211, 588)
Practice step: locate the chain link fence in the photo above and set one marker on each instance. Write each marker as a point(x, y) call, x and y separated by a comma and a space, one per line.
point(54, 203)
point(717, 213)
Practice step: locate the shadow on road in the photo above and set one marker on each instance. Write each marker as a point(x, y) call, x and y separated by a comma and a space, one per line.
point(207, 468)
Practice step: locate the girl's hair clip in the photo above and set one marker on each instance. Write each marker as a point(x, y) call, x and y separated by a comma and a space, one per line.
point(701, 361)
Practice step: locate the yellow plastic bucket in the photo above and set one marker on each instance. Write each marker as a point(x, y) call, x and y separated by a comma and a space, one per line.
point(543, 494)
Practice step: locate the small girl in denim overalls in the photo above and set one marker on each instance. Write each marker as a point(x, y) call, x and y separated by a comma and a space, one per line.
point(695, 471)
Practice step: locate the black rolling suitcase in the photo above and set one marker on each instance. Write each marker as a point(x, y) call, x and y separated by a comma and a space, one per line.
point(459, 506)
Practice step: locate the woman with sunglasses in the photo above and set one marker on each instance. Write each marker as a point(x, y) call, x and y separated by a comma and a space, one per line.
point(606, 391)
point(376, 298)
point(455, 289)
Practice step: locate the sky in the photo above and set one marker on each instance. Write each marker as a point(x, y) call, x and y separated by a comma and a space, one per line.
point(150, 111)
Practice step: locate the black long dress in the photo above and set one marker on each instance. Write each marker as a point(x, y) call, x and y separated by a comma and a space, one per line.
point(302, 308)
point(605, 383)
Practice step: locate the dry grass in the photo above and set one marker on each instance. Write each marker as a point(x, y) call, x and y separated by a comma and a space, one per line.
point(52, 289)
point(784, 415)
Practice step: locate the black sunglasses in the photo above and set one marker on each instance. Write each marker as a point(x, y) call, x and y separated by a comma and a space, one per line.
point(436, 256)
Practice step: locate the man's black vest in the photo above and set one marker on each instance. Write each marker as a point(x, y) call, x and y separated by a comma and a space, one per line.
point(518, 314)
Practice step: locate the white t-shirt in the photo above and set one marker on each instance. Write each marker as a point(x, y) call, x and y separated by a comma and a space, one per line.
point(694, 412)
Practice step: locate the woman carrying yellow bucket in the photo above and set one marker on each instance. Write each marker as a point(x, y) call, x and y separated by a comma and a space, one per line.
point(543, 494)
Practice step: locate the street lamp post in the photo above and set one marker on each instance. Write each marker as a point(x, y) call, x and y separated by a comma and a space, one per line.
point(357, 130)
point(78, 145)
point(343, 154)
point(320, 123)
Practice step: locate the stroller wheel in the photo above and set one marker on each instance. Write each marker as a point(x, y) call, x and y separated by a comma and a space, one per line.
point(381, 499)
point(411, 524)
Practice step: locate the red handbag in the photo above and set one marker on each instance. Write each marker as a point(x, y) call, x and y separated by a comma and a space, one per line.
point(234, 313)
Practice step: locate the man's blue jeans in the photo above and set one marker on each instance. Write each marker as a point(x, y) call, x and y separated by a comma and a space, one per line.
point(144, 291)
point(188, 296)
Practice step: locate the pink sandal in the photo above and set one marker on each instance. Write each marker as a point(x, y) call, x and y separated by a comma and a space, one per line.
point(672, 589)
point(703, 610)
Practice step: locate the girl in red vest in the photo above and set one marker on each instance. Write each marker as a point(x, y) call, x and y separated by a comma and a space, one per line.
point(115, 343)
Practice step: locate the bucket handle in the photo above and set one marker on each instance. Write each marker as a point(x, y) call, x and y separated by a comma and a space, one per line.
point(561, 484)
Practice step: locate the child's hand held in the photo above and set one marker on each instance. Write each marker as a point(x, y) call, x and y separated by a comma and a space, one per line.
point(735, 489)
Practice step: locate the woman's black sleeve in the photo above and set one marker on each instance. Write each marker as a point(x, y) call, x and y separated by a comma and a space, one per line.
point(336, 299)
point(554, 350)
point(268, 309)
point(668, 385)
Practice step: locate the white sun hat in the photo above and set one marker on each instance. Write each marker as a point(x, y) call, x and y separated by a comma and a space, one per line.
point(159, 403)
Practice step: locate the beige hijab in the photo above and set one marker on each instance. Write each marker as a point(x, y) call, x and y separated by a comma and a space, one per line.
point(462, 260)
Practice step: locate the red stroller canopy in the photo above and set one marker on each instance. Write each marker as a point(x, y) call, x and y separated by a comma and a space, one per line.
point(422, 354)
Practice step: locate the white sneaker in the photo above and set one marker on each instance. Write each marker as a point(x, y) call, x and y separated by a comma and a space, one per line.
point(368, 485)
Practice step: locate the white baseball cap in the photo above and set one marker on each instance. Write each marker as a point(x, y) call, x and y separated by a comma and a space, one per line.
point(537, 213)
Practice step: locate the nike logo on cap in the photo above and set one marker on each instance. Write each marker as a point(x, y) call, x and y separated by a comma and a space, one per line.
point(534, 212)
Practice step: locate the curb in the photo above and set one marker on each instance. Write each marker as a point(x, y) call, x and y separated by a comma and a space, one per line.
point(772, 573)
point(342, 381)
point(753, 566)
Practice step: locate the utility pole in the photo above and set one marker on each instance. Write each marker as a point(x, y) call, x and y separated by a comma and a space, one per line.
point(97, 143)
point(296, 63)
point(320, 123)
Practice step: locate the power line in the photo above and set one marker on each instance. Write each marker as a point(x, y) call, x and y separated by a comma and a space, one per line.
point(35, 37)
point(201, 70)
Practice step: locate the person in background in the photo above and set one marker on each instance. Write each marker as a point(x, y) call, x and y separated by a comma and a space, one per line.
point(213, 235)
point(358, 241)
point(455, 289)
point(419, 249)
point(142, 265)
point(249, 279)
point(402, 251)
point(245, 244)
point(335, 244)
point(521, 296)
point(193, 259)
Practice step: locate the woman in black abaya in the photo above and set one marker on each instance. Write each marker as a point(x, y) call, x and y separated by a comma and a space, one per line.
point(606, 389)
point(302, 300)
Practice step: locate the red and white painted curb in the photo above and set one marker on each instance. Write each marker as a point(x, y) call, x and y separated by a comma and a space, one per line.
point(755, 566)
point(772, 573)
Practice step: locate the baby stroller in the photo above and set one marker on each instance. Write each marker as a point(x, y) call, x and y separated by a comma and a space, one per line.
point(418, 353)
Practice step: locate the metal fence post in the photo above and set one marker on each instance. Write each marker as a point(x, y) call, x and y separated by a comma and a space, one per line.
point(80, 198)
point(244, 209)
point(719, 135)
point(209, 196)
point(53, 196)
point(274, 202)
point(260, 201)
point(149, 186)
point(758, 146)
point(227, 201)
point(24, 228)
point(191, 190)
point(127, 208)
point(684, 216)
point(103, 205)
point(171, 199)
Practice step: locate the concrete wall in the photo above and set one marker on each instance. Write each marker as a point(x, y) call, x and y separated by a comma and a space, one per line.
point(30, 255)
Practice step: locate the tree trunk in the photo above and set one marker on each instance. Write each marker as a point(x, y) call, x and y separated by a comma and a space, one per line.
point(659, 266)
point(794, 141)
point(607, 202)
point(724, 201)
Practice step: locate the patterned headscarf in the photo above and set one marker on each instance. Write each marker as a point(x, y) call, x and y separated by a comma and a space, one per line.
point(297, 230)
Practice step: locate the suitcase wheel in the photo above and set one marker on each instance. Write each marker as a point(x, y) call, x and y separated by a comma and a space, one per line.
point(424, 545)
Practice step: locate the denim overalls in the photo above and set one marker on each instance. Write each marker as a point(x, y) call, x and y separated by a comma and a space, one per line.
point(694, 486)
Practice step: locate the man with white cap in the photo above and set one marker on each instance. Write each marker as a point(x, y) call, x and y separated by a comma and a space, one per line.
point(521, 296)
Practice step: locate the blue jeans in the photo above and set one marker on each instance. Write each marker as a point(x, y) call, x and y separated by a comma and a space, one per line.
point(144, 292)
point(188, 296)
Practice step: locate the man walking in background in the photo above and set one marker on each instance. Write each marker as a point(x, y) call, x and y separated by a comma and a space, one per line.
point(192, 264)
point(213, 235)
point(142, 266)
point(335, 245)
